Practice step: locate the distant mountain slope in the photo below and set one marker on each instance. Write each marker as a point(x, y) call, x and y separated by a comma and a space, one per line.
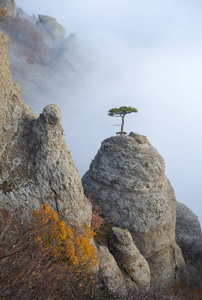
point(41, 60)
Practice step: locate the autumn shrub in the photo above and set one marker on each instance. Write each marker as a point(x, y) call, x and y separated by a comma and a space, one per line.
point(3, 13)
point(97, 220)
point(25, 32)
point(185, 292)
point(26, 35)
point(63, 243)
point(154, 292)
point(43, 258)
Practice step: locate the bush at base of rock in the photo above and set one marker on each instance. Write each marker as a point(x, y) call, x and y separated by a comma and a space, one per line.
point(43, 258)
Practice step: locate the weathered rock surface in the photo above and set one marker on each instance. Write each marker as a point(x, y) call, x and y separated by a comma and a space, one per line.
point(51, 27)
point(127, 179)
point(110, 273)
point(188, 231)
point(129, 258)
point(35, 164)
point(10, 6)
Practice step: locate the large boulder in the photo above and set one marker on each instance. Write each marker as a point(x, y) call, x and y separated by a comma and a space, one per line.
point(35, 164)
point(10, 6)
point(188, 232)
point(127, 179)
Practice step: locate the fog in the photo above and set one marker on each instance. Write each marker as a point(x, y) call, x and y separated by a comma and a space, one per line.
point(145, 54)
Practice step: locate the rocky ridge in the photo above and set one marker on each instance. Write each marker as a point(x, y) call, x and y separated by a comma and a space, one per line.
point(42, 59)
point(35, 164)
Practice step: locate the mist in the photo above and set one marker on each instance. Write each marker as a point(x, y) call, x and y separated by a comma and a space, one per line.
point(145, 54)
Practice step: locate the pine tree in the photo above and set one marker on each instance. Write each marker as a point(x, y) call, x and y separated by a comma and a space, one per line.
point(121, 112)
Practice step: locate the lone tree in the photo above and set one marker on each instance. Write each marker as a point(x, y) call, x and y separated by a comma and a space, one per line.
point(121, 112)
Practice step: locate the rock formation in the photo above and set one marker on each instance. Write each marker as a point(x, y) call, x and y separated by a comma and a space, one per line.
point(10, 6)
point(127, 179)
point(35, 164)
point(188, 231)
point(129, 258)
point(41, 60)
point(51, 28)
point(110, 274)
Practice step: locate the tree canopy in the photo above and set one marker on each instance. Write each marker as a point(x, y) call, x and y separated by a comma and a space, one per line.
point(122, 111)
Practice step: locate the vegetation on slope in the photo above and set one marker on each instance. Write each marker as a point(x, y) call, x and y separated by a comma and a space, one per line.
point(43, 258)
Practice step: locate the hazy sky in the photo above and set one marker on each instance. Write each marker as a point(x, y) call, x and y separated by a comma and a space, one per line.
point(146, 54)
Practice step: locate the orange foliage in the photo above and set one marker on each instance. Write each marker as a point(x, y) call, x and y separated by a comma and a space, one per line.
point(63, 243)
point(3, 13)
point(43, 258)
point(26, 35)
point(184, 292)
point(97, 220)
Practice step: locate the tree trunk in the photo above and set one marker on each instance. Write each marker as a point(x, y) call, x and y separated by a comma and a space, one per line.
point(122, 125)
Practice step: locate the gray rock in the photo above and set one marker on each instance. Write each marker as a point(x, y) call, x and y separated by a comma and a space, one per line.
point(188, 231)
point(52, 27)
point(127, 179)
point(110, 274)
point(10, 6)
point(181, 270)
point(52, 114)
point(35, 164)
point(129, 258)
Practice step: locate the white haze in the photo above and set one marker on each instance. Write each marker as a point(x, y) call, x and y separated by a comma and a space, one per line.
point(146, 54)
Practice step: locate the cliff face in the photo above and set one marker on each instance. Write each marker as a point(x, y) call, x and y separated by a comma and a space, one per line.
point(127, 179)
point(35, 164)
point(41, 59)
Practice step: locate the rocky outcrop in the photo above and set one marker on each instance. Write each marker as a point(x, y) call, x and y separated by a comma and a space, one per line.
point(129, 258)
point(44, 67)
point(127, 179)
point(110, 274)
point(51, 29)
point(10, 6)
point(35, 164)
point(188, 232)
